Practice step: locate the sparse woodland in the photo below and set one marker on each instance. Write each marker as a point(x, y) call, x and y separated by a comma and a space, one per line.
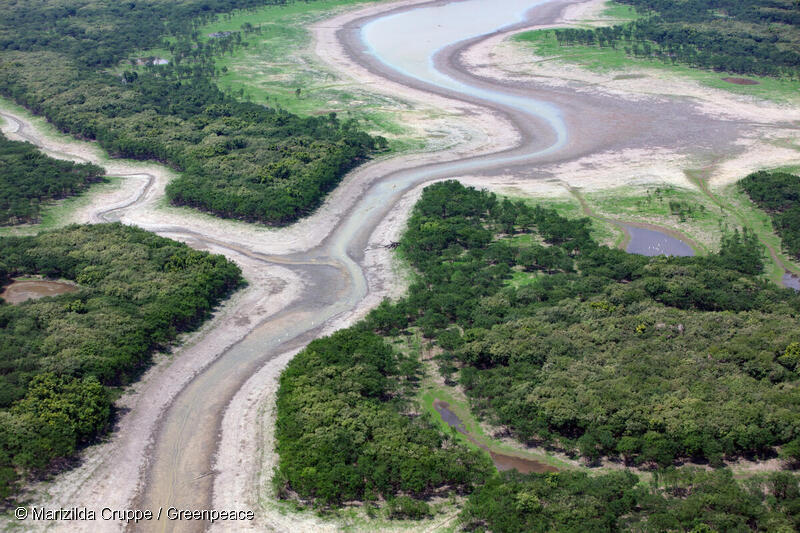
point(757, 37)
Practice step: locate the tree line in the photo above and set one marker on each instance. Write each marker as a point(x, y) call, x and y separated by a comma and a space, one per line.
point(29, 179)
point(747, 37)
point(778, 193)
point(62, 357)
point(645, 361)
point(238, 159)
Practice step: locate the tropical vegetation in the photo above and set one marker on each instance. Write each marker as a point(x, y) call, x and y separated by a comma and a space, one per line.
point(649, 362)
point(29, 179)
point(743, 36)
point(238, 159)
point(62, 357)
point(778, 193)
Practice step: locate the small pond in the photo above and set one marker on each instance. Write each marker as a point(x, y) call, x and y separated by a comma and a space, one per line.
point(23, 290)
point(791, 281)
point(650, 242)
point(501, 461)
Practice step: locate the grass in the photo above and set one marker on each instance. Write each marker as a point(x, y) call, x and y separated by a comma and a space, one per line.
point(702, 215)
point(609, 60)
point(677, 208)
point(276, 62)
point(738, 203)
point(619, 12)
point(430, 390)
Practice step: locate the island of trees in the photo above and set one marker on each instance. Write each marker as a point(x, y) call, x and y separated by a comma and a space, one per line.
point(649, 362)
point(29, 179)
point(238, 159)
point(63, 357)
point(743, 36)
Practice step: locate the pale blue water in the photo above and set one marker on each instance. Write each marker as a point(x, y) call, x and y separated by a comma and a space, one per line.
point(408, 41)
point(651, 242)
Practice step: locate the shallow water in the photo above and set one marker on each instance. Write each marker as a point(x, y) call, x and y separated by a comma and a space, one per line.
point(651, 242)
point(22, 291)
point(501, 461)
point(791, 281)
point(431, 29)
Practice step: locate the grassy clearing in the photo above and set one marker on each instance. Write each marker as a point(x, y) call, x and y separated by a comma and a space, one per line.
point(619, 12)
point(738, 203)
point(676, 208)
point(570, 206)
point(276, 68)
point(703, 216)
point(610, 60)
point(432, 389)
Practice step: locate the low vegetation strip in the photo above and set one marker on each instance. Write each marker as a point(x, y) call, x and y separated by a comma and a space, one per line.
point(649, 361)
point(238, 159)
point(62, 356)
point(778, 193)
point(29, 179)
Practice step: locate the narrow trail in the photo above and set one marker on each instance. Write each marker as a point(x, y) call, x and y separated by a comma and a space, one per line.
point(168, 443)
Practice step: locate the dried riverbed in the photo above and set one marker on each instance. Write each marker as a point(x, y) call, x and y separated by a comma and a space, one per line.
point(183, 442)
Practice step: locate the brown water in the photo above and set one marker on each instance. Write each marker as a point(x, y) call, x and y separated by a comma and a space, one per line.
point(501, 461)
point(22, 291)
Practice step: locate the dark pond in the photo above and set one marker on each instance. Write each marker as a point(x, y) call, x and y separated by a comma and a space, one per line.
point(650, 242)
point(501, 461)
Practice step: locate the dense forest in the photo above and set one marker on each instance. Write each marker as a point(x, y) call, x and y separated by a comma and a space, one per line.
point(744, 36)
point(778, 193)
point(28, 179)
point(61, 356)
point(239, 159)
point(648, 361)
point(344, 431)
point(676, 500)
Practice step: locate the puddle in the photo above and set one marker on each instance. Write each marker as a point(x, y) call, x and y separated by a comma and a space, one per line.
point(791, 281)
point(501, 461)
point(645, 241)
point(22, 291)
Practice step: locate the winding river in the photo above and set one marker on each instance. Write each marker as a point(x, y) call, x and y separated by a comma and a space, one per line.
point(417, 46)
point(187, 436)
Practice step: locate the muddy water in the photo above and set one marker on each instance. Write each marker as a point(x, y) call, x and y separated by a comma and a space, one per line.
point(645, 241)
point(22, 291)
point(501, 461)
